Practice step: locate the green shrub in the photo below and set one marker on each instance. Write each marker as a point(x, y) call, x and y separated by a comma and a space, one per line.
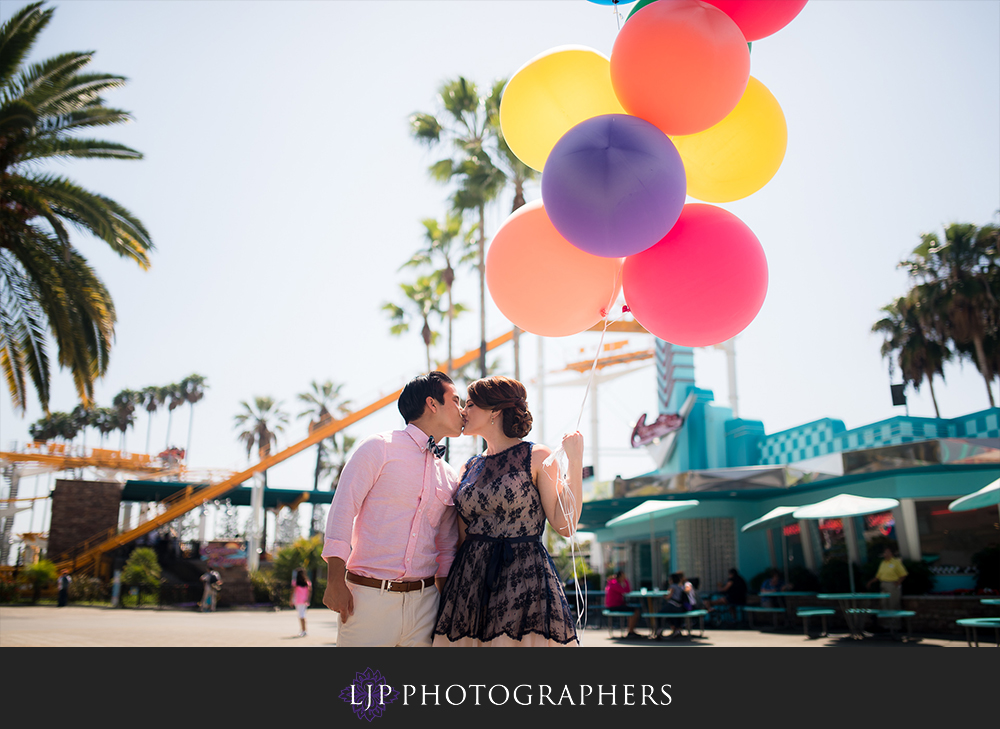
point(89, 589)
point(142, 571)
point(803, 580)
point(833, 577)
point(264, 587)
point(988, 562)
point(39, 575)
point(919, 580)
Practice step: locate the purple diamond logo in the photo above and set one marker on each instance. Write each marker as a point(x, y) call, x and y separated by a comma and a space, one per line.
point(369, 694)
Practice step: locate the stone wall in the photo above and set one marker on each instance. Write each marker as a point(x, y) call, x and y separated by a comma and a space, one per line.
point(81, 510)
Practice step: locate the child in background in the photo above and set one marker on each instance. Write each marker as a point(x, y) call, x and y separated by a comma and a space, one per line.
point(301, 592)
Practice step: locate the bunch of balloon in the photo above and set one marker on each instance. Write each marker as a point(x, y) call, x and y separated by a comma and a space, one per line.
point(621, 143)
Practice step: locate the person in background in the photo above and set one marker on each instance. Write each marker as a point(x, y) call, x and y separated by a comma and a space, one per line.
point(301, 594)
point(891, 574)
point(63, 583)
point(615, 591)
point(675, 602)
point(774, 583)
point(734, 593)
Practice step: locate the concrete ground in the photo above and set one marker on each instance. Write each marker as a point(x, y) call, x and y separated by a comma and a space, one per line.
point(50, 626)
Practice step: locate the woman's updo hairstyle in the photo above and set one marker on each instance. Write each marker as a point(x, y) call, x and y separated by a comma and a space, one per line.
point(509, 396)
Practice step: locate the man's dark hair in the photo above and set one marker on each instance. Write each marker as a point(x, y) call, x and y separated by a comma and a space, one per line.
point(413, 399)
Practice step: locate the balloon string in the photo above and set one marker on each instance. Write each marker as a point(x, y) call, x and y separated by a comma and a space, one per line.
point(559, 457)
point(600, 345)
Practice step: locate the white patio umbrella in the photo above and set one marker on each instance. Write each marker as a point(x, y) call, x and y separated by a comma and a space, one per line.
point(988, 495)
point(778, 514)
point(844, 506)
point(651, 509)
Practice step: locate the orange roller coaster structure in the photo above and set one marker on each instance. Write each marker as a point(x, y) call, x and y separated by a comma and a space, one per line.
point(87, 557)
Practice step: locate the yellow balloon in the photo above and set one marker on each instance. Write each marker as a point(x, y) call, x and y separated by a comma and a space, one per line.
point(740, 154)
point(551, 94)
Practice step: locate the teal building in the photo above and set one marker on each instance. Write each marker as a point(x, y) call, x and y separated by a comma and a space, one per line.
point(737, 473)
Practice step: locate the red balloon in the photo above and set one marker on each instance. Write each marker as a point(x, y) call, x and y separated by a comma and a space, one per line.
point(682, 65)
point(759, 18)
point(703, 283)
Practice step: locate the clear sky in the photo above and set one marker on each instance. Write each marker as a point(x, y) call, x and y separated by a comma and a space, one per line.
point(283, 192)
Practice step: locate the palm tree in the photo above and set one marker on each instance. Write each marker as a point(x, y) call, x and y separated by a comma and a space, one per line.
point(104, 421)
point(261, 423)
point(961, 274)
point(46, 285)
point(517, 173)
point(466, 132)
point(151, 398)
point(335, 459)
point(320, 399)
point(123, 406)
point(906, 331)
point(173, 397)
point(193, 388)
point(423, 297)
point(441, 245)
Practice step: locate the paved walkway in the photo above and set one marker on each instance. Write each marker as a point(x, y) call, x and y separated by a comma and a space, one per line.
point(41, 626)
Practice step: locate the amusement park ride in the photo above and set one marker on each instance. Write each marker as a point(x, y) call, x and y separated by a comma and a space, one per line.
point(91, 555)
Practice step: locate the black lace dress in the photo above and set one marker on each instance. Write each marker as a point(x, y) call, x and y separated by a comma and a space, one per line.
point(503, 584)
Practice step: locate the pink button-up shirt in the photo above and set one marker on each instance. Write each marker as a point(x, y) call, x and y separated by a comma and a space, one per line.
point(393, 515)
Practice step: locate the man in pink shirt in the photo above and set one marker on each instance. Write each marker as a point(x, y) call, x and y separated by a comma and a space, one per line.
point(392, 529)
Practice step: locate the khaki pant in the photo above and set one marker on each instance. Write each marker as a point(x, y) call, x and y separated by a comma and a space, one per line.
point(895, 600)
point(389, 619)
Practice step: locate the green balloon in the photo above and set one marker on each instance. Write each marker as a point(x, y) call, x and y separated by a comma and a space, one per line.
point(638, 5)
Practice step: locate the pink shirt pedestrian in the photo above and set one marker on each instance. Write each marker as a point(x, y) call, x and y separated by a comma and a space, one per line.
point(393, 515)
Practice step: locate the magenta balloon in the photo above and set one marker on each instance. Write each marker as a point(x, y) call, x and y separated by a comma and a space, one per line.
point(613, 185)
point(703, 283)
point(759, 18)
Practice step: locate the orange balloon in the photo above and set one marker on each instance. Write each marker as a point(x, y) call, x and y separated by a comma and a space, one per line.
point(680, 64)
point(543, 283)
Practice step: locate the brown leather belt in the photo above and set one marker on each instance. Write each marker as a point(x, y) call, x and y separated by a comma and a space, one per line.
point(389, 585)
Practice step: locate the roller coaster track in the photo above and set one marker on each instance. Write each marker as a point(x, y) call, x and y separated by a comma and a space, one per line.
point(86, 557)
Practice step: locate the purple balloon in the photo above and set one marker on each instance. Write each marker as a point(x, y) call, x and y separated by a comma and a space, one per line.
point(614, 185)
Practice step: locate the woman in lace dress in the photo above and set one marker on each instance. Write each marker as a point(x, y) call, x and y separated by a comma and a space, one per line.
point(503, 589)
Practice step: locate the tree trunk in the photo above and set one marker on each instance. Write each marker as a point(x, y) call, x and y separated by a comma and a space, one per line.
point(451, 317)
point(482, 291)
point(187, 451)
point(319, 460)
point(983, 369)
point(930, 383)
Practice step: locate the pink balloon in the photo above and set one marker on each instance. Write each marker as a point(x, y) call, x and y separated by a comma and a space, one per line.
point(759, 18)
point(703, 283)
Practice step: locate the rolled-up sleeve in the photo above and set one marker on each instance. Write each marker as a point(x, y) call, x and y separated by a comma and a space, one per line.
point(356, 480)
point(446, 541)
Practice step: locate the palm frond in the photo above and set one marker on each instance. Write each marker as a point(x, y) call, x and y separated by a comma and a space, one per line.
point(17, 36)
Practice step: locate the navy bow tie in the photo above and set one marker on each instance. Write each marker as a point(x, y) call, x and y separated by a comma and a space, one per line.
point(437, 450)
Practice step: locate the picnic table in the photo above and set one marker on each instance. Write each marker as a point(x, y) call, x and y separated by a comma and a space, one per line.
point(850, 604)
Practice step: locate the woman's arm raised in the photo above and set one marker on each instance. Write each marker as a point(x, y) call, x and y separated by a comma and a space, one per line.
point(551, 486)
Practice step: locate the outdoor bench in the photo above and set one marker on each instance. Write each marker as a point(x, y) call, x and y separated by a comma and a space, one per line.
point(974, 623)
point(618, 617)
point(893, 615)
point(806, 612)
point(775, 612)
point(700, 614)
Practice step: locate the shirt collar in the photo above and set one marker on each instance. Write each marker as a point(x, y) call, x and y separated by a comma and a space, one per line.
point(419, 437)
